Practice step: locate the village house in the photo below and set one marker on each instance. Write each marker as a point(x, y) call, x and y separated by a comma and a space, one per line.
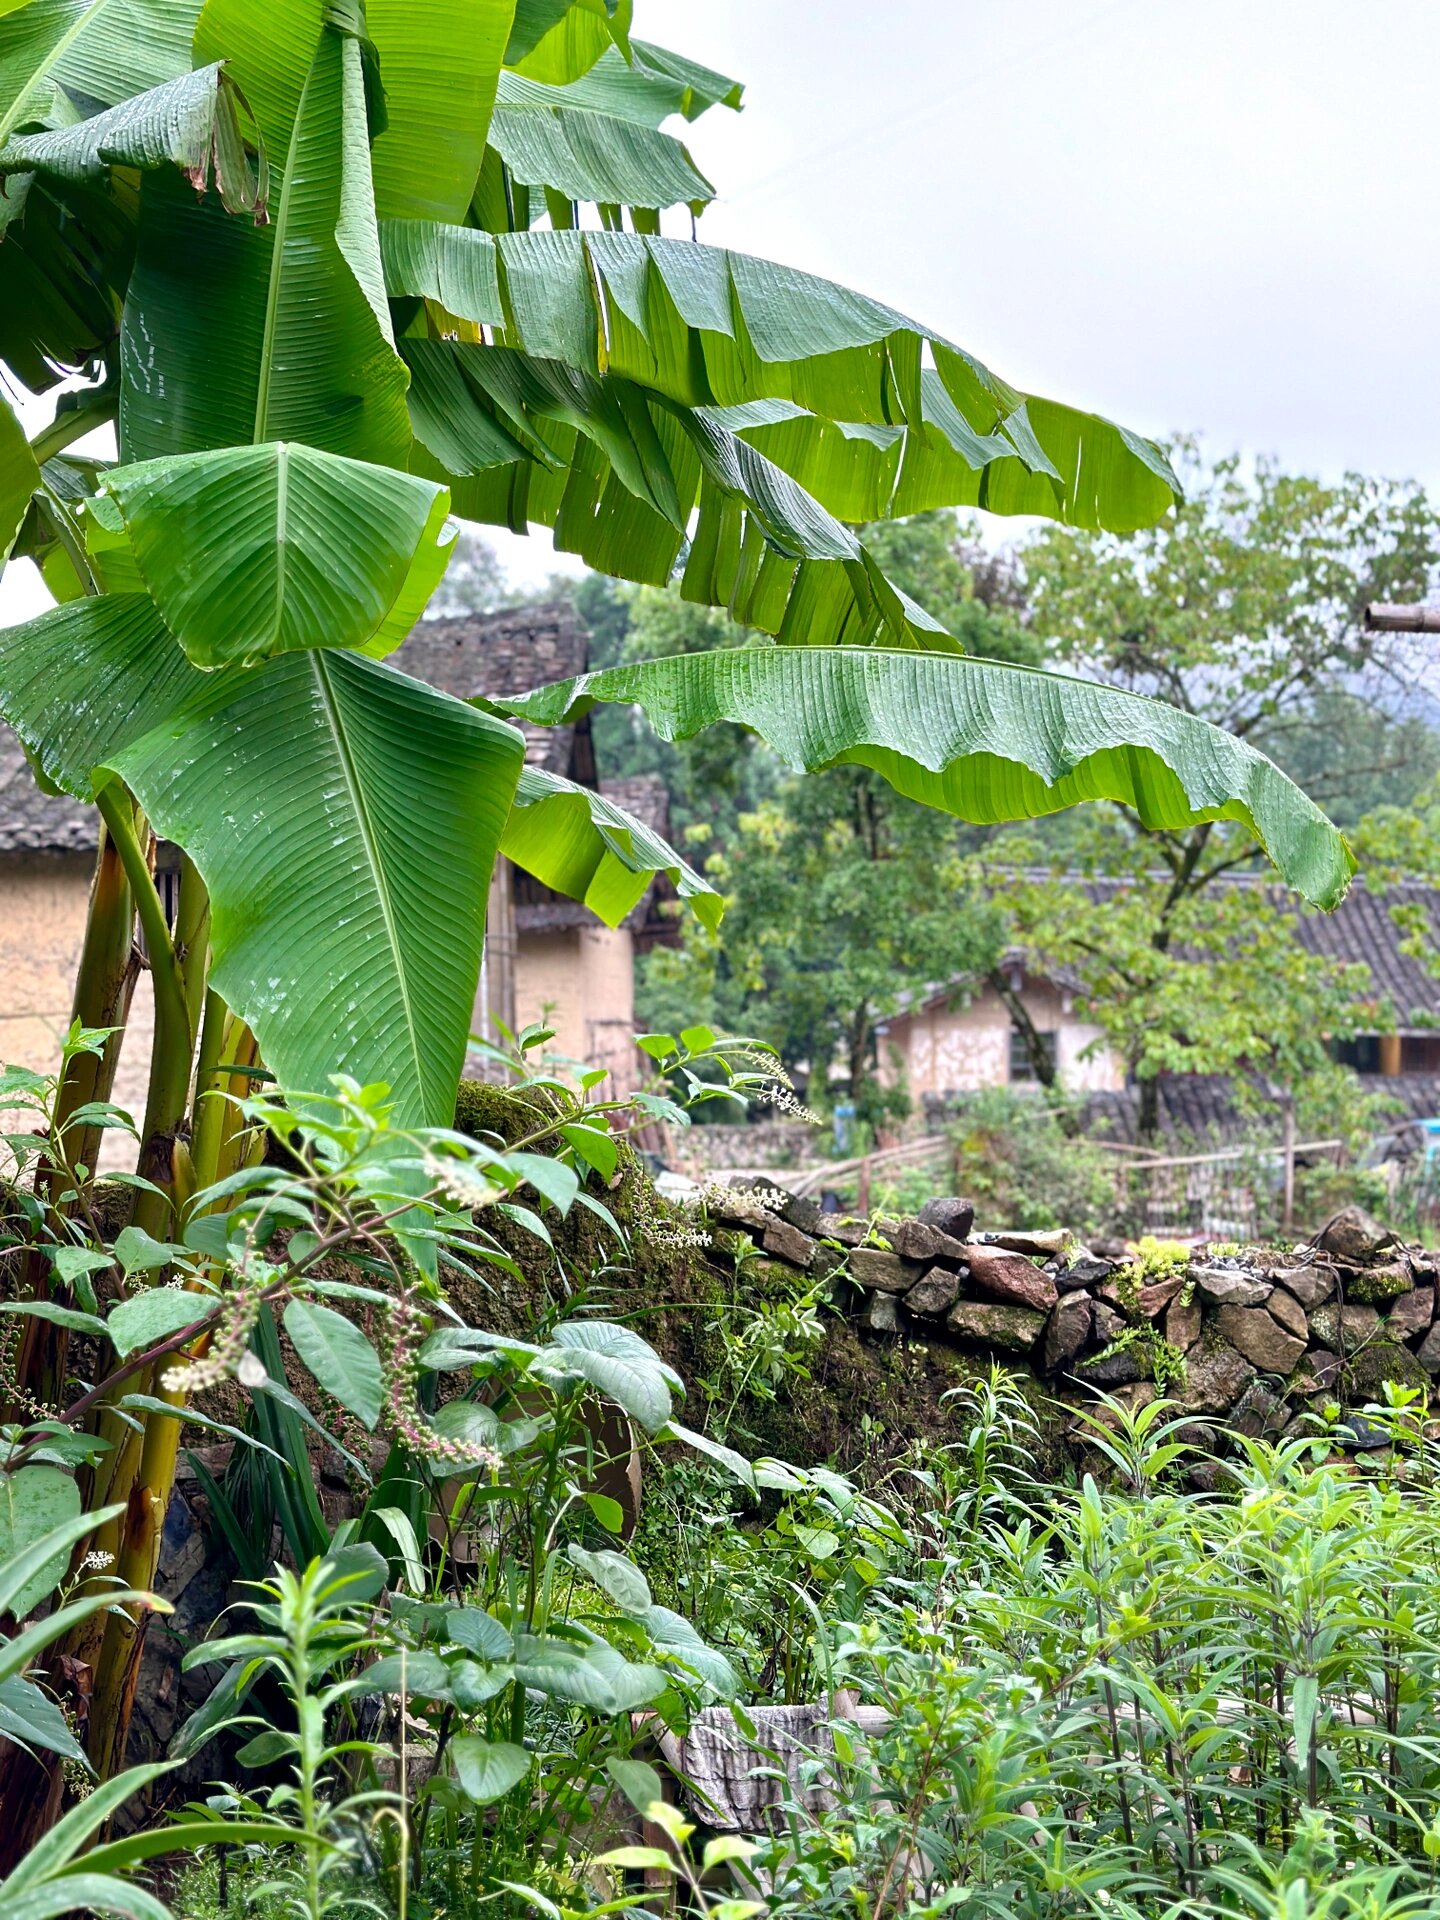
point(960, 1036)
point(547, 957)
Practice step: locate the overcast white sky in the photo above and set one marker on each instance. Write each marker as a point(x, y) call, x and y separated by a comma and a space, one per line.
point(1218, 217)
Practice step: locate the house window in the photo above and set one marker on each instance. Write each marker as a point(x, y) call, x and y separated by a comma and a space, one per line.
point(1420, 1053)
point(1022, 1067)
point(1362, 1054)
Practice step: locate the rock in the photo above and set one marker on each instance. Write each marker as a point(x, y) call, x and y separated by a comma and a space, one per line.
point(1010, 1276)
point(1228, 1288)
point(1285, 1308)
point(935, 1293)
point(788, 1243)
point(916, 1240)
point(1013, 1329)
point(836, 1226)
point(802, 1213)
point(1084, 1271)
point(881, 1315)
point(1355, 1237)
point(1359, 1435)
point(1382, 1361)
point(1215, 1378)
point(876, 1268)
point(1153, 1300)
point(1317, 1372)
point(1310, 1285)
point(1373, 1286)
point(1260, 1337)
point(1037, 1246)
point(1411, 1313)
point(1066, 1331)
point(1110, 1369)
point(1109, 1325)
point(1328, 1324)
point(1429, 1354)
point(1182, 1325)
point(953, 1216)
point(1258, 1410)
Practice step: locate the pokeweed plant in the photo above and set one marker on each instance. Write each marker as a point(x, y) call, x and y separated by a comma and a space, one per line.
point(333, 272)
point(323, 1178)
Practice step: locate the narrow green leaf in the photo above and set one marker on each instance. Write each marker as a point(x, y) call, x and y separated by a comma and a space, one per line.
point(440, 61)
point(19, 475)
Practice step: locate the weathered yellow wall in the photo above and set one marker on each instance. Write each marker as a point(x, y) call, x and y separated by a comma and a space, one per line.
point(961, 1049)
point(42, 925)
point(581, 982)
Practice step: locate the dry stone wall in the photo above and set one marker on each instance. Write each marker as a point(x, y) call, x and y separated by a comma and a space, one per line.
point(1244, 1339)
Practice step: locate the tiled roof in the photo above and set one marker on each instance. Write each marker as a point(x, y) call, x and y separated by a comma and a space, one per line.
point(36, 822)
point(1363, 929)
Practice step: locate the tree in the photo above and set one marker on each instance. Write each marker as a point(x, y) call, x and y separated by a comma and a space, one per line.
point(841, 897)
point(1245, 609)
point(295, 253)
point(474, 580)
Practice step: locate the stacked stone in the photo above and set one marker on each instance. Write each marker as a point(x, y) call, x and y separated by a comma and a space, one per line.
point(1262, 1334)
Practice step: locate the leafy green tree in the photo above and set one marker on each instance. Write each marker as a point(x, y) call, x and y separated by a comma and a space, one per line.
point(841, 897)
point(1244, 608)
point(325, 270)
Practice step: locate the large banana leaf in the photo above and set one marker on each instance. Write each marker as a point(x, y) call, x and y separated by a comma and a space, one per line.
point(19, 477)
point(700, 87)
point(191, 123)
point(586, 847)
point(234, 333)
point(558, 40)
point(249, 551)
point(101, 50)
point(439, 63)
point(977, 738)
point(82, 681)
point(617, 474)
point(345, 819)
point(549, 139)
point(706, 327)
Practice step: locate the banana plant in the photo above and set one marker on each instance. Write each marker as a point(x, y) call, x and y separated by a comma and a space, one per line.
point(338, 274)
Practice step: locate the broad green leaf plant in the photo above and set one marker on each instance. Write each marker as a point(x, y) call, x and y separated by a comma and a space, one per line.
point(336, 273)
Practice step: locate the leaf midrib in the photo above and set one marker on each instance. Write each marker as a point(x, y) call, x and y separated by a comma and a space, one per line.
point(321, 672)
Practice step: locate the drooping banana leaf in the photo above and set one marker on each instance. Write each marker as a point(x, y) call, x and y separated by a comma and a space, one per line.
point(977, 738)
point(344, 818)
point(316, 551)
point(19, 477)
point(192, 123)
point(439, 63)
point(588, 848)
point(234, 333)
point(67, 254)
point(617, 473)
point(706, 327)
point(585, 153)
point(647, 89)
point(557, 42)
